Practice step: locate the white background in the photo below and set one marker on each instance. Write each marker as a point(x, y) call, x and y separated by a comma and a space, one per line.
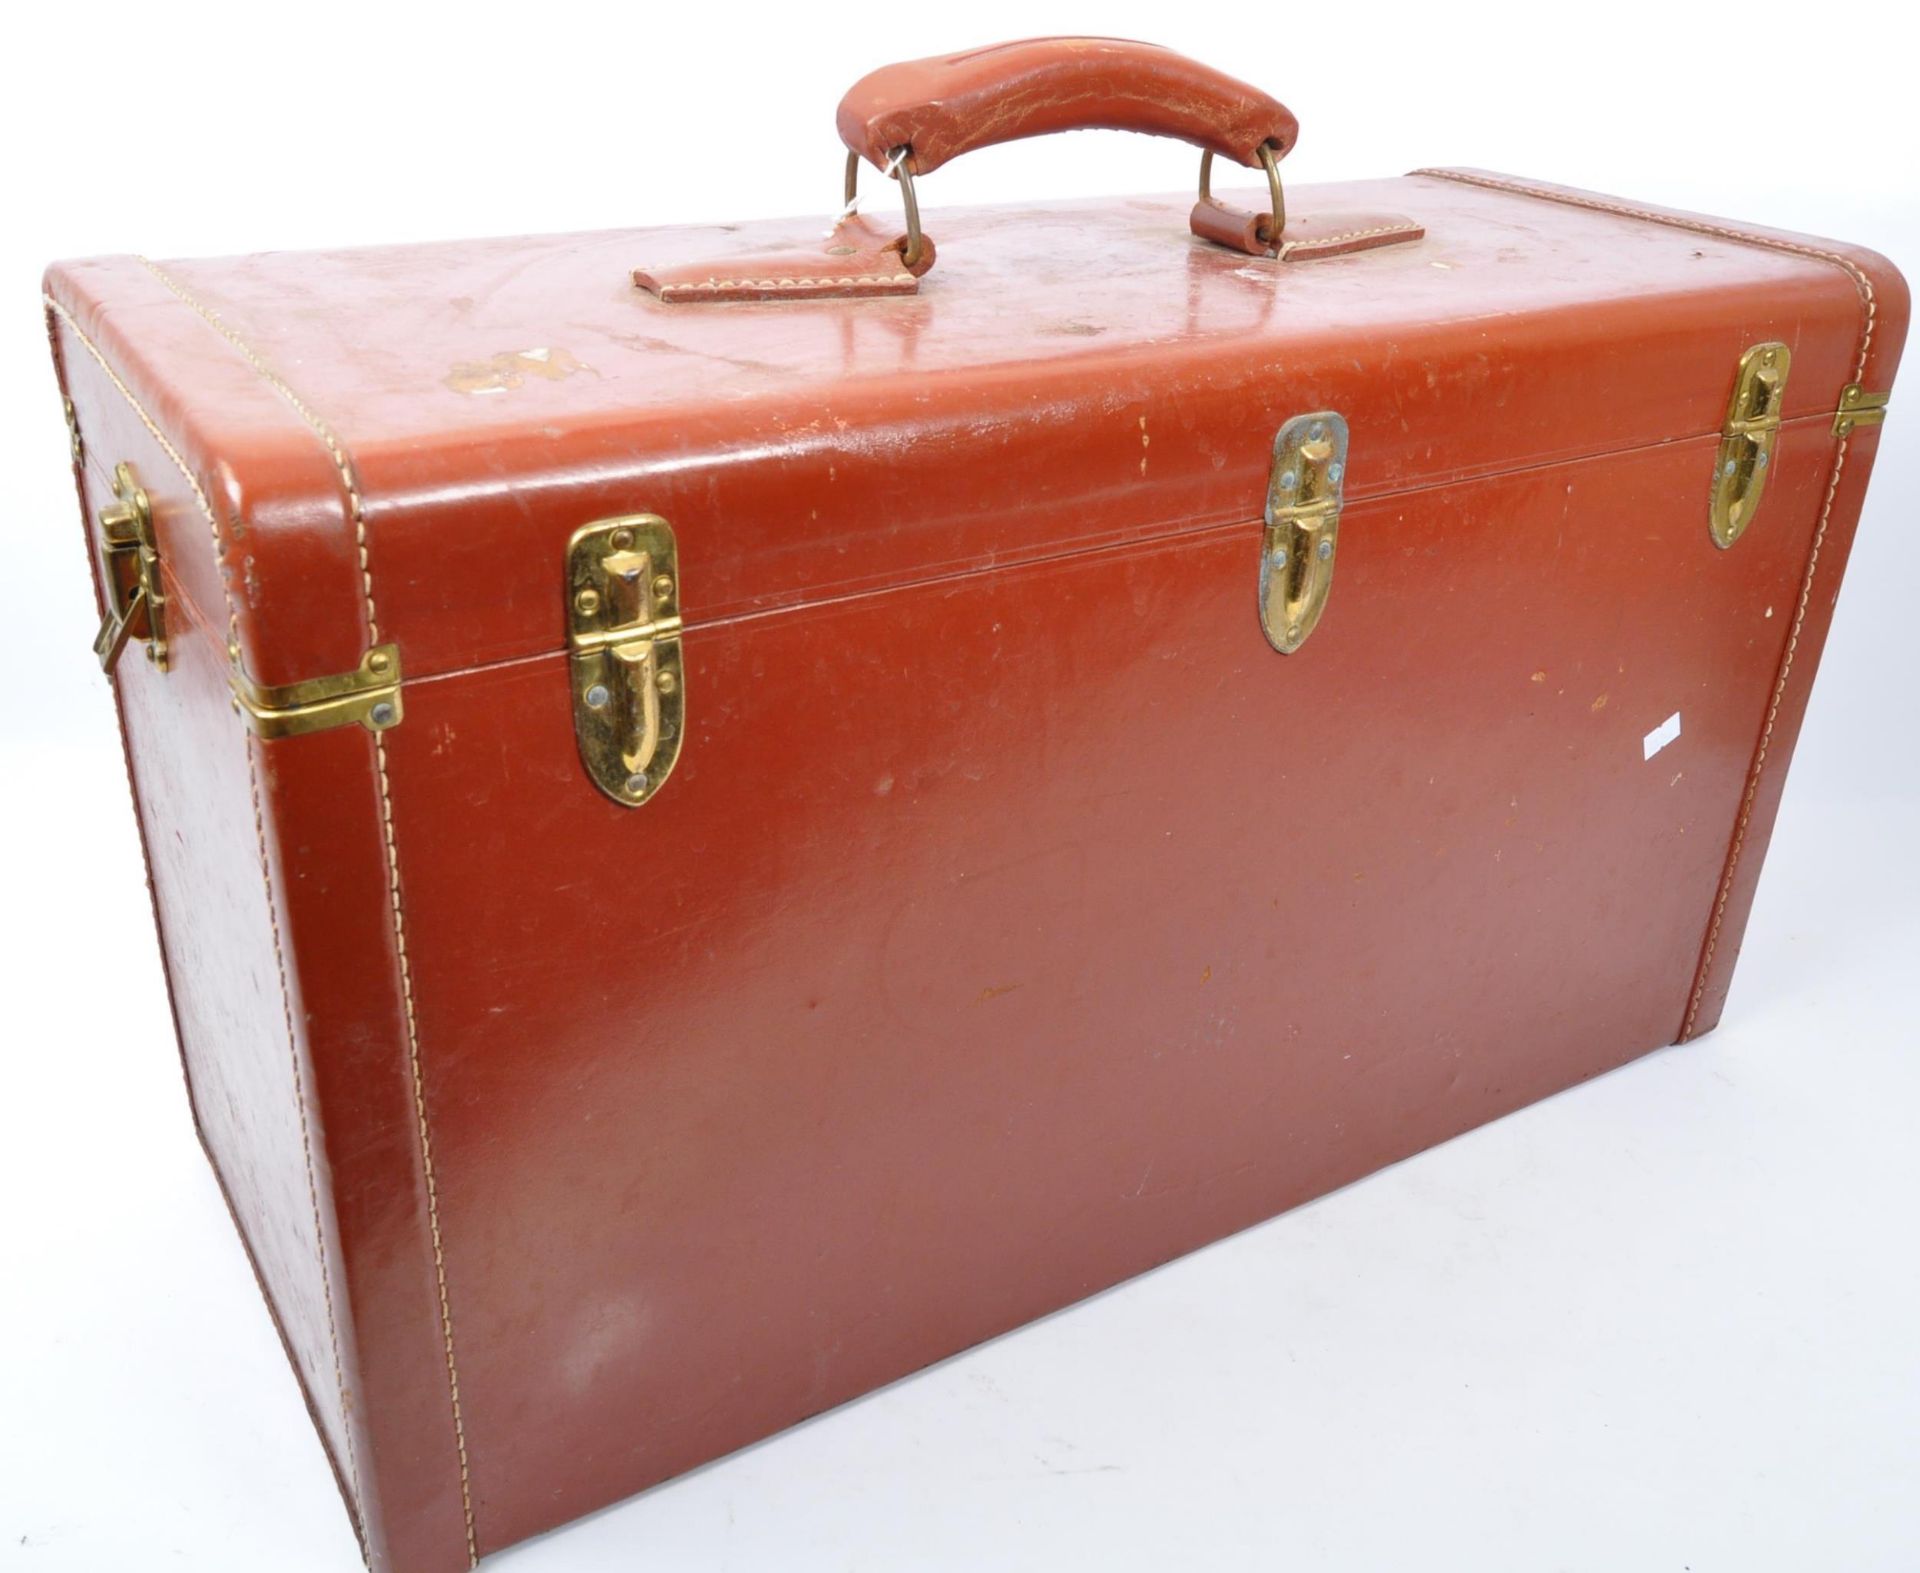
point(1670, 1320)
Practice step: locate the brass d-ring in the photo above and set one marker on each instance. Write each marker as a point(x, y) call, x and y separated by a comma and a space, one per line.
point(898, 158)
point(1278, 220)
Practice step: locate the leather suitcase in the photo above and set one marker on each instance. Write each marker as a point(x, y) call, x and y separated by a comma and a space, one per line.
point(730, 814)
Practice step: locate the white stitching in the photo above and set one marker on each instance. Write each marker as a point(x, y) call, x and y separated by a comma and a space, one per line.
point(357, 512)
point(1766, 740)
point(273, 921)
point(1865, 286)
point(320, 428)
point(199, 495)
point(1673, 221)
point(905, 284)
point(1288, 247)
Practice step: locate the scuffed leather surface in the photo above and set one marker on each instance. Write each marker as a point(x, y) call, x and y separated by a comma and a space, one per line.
point(1308, 235)
point(323, 795)
point(288, 556)
point(188, 766)
point(712, 417)
point(947, 105)
point(948, 1002)
point(338, 1010)
point(946, 1006)
point(856, 260)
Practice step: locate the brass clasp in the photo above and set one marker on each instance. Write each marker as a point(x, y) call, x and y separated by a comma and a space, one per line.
point(130, 563)
point(1746, 449)
point(1303, 524)
point(623, 625)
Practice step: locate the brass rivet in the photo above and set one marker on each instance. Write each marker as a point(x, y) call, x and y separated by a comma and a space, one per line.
point(620, 540)
point(587, 602)
point(379, 661)
point(662, 587)
point(667, 682)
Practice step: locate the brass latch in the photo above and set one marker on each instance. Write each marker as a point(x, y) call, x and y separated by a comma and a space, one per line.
point(136, 602)
point(623, 627)
point(1303, 523)
point(1753, 426)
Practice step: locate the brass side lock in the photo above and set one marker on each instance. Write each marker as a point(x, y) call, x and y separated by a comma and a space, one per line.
point(1303, 525)
point(623, 627)
point(1746, 448)
point(130, 575)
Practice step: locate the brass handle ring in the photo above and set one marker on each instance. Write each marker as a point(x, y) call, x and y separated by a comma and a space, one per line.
point(897, 163)
point(1278, 221)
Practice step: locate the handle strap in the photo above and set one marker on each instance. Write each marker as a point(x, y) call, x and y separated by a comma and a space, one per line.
point(911, 118)
point(946, 105)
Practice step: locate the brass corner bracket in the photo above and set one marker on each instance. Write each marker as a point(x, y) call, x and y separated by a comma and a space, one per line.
point(369, 696)
point(1858, 408)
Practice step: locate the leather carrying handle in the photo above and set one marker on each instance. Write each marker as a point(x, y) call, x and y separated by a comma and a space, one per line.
point(946, 105)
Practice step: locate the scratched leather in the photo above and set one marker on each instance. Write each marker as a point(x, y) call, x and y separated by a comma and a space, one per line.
point(714, 416)
point(1326, 233)
point(856, 259)
point(1015, 919)
point(188, 766)
point(947, 105)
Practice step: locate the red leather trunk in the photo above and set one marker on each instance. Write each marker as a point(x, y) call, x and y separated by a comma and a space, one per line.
point(1016, 917)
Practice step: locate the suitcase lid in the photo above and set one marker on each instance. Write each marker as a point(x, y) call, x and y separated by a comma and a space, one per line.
point(435, 421)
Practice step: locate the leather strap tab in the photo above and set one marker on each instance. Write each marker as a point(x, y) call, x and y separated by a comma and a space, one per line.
point(947, 105)
point(857, 259)
point(1307, 236)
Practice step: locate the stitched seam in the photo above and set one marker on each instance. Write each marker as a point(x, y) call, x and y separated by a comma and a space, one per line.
point(867, 280)
point(1766, 740)
point(320, 429)
point(357, 512)
point(273, 921)
point(306, 1136)
point(1357, 234)
point(1865, 286)
point(1698, 226)
point(160, 437)
point(1290, 246)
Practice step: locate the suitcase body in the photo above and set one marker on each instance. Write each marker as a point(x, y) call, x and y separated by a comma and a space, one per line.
point(1018, 912)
